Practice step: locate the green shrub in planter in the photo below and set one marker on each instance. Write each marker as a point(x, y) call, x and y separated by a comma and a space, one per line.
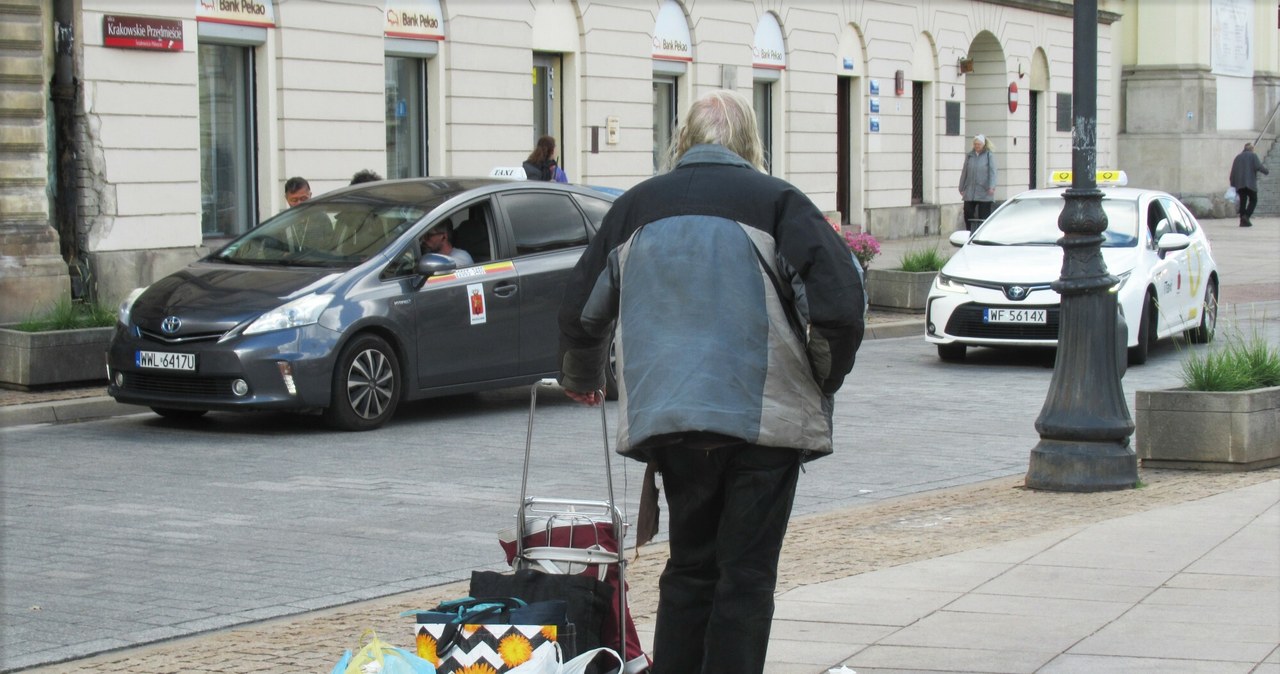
point(1240, 366)
point(69, 315)
point(923, 260)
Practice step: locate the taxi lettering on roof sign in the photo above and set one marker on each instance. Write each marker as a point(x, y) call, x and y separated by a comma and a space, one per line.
point(508, 172)
point(1103, 178)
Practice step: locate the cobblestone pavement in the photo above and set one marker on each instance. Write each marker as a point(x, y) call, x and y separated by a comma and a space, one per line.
point(822, 547)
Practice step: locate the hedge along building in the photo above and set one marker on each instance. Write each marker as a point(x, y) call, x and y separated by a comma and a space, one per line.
point(188, 117)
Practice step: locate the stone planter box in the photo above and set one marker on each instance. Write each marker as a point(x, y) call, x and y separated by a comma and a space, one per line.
point(32, 360)
point(897, 289)
point(1205, 430)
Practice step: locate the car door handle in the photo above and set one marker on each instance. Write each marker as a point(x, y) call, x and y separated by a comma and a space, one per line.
point(505, 289)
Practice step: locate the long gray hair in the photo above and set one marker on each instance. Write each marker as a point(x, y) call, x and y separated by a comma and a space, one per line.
point(720, 117)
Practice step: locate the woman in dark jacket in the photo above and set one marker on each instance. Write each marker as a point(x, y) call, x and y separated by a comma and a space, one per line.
point(541, 164)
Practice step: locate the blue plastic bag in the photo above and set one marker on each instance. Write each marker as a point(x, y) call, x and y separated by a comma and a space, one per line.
point(379, 657)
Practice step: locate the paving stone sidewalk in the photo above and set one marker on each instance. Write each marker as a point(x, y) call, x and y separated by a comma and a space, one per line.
point(819, 548)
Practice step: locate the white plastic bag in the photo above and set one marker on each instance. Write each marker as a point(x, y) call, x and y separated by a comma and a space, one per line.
point(548, 662)
point(1230, 195)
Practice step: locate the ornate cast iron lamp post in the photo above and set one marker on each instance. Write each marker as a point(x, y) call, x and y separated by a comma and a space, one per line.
point(1084, 425)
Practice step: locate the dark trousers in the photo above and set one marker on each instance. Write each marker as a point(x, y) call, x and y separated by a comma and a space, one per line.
point(728, 511)
point(976, 210)
point(1248, 201)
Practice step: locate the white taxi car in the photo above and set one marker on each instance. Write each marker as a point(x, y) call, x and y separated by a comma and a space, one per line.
point(995, 291)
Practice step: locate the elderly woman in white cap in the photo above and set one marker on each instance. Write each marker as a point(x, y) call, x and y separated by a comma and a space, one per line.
point(978, 182)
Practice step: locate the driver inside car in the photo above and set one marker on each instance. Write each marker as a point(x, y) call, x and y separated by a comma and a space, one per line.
point(439, 240)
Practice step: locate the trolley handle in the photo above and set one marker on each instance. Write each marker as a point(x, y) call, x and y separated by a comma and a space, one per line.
point(528, 445)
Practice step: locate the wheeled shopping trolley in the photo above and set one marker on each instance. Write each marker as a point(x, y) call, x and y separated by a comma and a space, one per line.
point(576, 536)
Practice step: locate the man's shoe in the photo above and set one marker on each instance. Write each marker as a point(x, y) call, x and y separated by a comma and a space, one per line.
point(1244, 222)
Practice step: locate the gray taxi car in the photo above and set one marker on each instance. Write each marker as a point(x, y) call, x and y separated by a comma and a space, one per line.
point(335, 307)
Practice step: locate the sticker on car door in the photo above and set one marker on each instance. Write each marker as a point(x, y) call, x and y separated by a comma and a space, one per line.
point(475, 303)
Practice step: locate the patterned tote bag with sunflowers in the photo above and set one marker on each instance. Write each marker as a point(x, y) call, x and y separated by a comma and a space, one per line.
point(489, 636)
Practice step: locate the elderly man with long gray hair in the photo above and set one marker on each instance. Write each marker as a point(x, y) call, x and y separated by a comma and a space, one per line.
point(737, 313)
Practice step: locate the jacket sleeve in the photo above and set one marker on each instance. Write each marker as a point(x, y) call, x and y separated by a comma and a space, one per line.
point(964, 172)
point(831, 289)
point(588, 309)
point(992, 180)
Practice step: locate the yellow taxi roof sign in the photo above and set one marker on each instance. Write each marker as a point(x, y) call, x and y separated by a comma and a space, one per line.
point(1103, 178)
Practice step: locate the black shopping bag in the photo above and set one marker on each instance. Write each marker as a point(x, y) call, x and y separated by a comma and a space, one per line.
point(588, 599)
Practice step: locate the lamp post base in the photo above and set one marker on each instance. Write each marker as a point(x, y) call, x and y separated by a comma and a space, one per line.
point(1082, 466)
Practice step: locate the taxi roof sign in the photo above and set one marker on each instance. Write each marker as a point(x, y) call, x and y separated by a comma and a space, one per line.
point(1103, 178)
point(508, 172)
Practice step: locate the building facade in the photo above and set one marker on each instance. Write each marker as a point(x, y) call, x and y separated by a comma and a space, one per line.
point(155, 130)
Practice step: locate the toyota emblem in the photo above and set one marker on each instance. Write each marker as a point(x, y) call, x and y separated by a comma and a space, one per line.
point(1016, 292)
point(171, 325)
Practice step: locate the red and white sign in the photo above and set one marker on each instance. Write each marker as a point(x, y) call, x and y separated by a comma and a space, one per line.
point(1013, 97)
point(671, 34)
point(769, 50)
point(414, 19)
point(141, 32)
point(239, 12)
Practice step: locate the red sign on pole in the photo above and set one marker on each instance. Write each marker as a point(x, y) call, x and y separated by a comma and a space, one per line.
point(140, 32)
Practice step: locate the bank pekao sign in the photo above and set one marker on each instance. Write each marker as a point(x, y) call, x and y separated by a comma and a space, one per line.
point(414, 19)
point(769, 51)
point(671, 34)
point(141, 32)
point(239, 12)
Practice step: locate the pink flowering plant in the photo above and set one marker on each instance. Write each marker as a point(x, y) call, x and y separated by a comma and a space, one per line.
point(864, 247)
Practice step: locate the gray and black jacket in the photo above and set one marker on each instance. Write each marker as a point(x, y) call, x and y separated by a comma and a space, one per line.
point(738, 309)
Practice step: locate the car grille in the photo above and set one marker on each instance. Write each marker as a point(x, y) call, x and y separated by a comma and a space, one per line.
point(211, 387)
point(966, 321)
point(184, 339)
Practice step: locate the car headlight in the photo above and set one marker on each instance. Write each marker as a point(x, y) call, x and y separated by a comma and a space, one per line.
point(1124, 278)
point(947, 284)
point(302, 311)
point(122, 313)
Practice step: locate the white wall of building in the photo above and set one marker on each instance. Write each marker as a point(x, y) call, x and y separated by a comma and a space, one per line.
point(321, 108)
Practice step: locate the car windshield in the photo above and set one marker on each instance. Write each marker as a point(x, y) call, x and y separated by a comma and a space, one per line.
point(324, 233)
point(1034, 222)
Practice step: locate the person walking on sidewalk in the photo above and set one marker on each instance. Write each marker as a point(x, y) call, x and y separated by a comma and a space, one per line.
point(1244, 177)
point(978, 182)
point(738, 315)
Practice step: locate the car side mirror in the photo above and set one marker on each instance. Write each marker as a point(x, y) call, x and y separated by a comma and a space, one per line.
point(431, 264)
point(960, 238)
point(1173, 241)
point(434, 263)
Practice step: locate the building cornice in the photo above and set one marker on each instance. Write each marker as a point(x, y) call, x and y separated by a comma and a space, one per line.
point(1055, 7)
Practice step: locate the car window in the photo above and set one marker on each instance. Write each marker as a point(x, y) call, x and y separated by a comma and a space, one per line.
point(1186, 221)
point(1033, 221)
point(322, 234)
point(472, 228)
point(543, 221)
point(594, 208)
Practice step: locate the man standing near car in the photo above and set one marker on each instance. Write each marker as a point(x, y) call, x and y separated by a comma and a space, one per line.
point(738, 314)
point(1244, 177)
point(296, 191)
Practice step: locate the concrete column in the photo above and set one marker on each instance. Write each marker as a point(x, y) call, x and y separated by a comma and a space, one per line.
point(32, 272)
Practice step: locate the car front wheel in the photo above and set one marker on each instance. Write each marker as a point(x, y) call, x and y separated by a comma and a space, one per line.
point(952, 353)
point(366, 385)
point(179, 415)
point(1203, 333)
point(611, 369)
point(1146, 333)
